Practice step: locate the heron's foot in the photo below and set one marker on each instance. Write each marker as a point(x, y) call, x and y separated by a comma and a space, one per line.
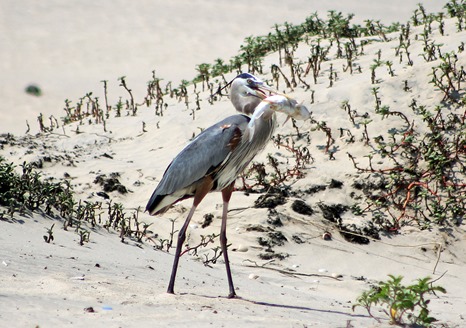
point(170, 291)
point(233, 295)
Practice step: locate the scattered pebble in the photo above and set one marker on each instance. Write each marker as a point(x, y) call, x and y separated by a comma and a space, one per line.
point(102, 194)
point(89, 309)
point(194, 226)
point(295, 266)
point(323, 270)
point(4, 263)
point(327, 236)
point(253, 276)
point(242, 248)
point(77, 278)
point(337, 275)
point(107, 308)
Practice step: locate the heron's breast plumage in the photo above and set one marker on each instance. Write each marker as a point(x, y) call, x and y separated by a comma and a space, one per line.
point(244, 151)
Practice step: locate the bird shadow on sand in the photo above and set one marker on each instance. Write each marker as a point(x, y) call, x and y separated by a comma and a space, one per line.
point(284, 306)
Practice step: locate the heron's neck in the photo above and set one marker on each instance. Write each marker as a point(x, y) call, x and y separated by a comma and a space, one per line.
point(261, 124)
point(245, 104)
point(263, 112)
point(267, 113)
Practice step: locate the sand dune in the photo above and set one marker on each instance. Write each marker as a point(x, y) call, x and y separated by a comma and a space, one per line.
point(68, 49)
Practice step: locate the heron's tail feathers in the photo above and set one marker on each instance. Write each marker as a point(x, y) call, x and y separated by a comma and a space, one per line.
point(159, 204)
point(154, 204)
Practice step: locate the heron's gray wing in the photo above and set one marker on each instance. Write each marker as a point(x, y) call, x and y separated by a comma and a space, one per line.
point(200, 157)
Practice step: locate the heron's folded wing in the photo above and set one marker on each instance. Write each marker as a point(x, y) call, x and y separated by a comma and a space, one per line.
point(202, 155)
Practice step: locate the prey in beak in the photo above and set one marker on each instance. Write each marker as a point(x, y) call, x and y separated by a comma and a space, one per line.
point(285, 105)
point(276, 103)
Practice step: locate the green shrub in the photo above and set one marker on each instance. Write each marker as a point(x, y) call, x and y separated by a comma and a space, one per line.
point(403, 304)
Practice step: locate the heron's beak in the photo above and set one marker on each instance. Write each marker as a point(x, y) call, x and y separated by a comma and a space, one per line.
point(263, 89)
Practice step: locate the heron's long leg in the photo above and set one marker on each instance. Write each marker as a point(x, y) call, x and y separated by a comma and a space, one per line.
point(226, 195)
point(203, 189)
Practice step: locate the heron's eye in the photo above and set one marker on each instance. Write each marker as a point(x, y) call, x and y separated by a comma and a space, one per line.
point(249, 81)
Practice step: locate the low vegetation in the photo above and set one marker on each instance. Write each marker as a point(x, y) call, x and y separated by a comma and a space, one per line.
point(404, 305)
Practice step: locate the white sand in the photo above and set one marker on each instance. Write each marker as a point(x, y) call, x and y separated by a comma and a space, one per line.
point(67, 49)
point(73, 48)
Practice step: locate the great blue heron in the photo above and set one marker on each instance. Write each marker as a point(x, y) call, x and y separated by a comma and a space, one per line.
point(215, 158)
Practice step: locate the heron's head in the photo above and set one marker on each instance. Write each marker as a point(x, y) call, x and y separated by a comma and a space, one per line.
point(247, 91)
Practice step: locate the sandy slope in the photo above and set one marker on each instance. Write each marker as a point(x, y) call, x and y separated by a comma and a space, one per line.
point(68, 49)
point(51, 284)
